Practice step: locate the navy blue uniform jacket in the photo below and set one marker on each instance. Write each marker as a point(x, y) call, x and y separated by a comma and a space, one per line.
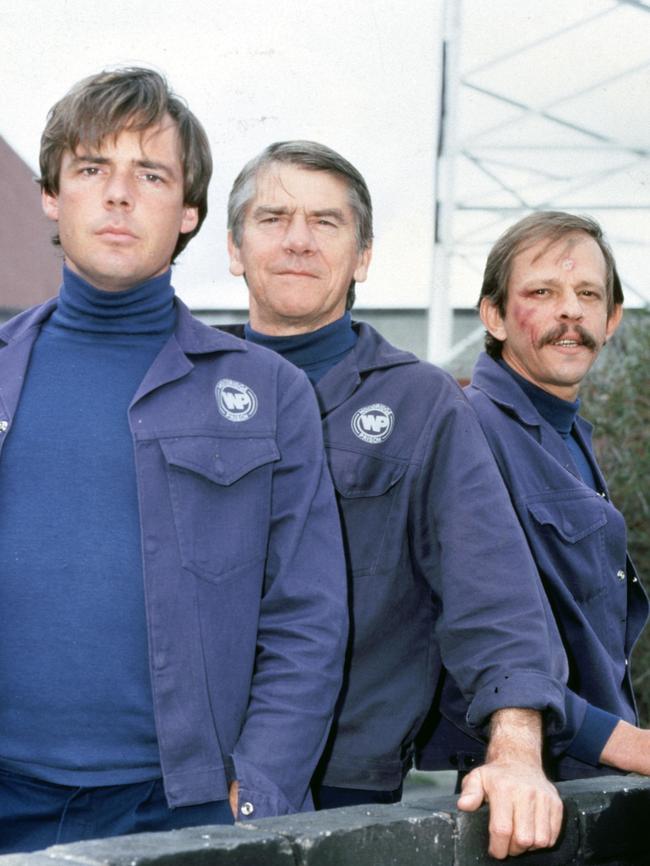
point(437, 563)
point(243, 565)
point(578, 540)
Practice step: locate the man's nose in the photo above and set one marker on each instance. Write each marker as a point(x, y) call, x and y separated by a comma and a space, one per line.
point(118, 190)
point(299, 237)
point(570, 306)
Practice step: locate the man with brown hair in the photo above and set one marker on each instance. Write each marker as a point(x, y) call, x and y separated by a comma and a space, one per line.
point(173, 580)
point(550, 300)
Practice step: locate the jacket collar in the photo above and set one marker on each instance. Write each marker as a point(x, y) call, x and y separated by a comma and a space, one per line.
point(19, 325)
point(502, 389)
point(195, 338)
point(371, 352)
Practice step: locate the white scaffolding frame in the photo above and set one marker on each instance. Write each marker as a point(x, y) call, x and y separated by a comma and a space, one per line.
point(490, 176)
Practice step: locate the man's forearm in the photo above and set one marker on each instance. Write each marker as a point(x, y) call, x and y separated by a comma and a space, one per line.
point(628, 748)
point(516, 734)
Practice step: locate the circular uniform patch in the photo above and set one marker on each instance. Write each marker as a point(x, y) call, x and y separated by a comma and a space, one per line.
point(374, 423)
point(236, 402)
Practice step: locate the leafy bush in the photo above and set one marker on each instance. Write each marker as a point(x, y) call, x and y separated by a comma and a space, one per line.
point(616, 399)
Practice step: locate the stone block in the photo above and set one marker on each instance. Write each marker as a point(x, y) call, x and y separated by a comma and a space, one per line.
point(192, 846)
point(612, 814)
point(35, 859)
point(368, 836)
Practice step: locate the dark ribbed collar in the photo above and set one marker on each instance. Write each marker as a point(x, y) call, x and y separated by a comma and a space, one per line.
point(560, 414)
point(314, 352)
point(147, 308)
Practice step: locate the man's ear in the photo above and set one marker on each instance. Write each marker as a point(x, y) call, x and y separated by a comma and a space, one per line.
point(361, 271)
point(190, 219)
point(50, 205)
point(236, 264)
point(492, 319)
point(614, 321)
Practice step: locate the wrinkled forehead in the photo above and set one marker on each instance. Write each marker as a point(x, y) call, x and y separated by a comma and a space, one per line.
point(299, 186)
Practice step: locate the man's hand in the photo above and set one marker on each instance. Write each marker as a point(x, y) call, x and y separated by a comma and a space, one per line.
point(233, 798)
point(525, 808)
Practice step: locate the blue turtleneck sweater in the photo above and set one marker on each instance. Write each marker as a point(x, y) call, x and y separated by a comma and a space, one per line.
point(76, 705)
point(315, 352)
point(561, 415)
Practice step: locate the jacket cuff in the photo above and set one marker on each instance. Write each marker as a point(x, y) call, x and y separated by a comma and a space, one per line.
point(596, 729)
point(259, 797)
point(522, 689)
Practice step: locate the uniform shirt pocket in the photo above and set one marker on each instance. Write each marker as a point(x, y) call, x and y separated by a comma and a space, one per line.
point(220, 491)
point(368, 492)
point(569, 537)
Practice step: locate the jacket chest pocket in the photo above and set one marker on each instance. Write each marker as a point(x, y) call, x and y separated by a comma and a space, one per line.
point(220, 492)
point(571, 532)
point(371, 500)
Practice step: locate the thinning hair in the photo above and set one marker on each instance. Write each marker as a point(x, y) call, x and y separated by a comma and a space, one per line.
point(550, 226)
point(135, 99)
point(312, 156)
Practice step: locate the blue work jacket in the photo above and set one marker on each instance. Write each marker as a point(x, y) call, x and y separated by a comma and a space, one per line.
point(438, 566)
point(243, 566)
point(578, 540)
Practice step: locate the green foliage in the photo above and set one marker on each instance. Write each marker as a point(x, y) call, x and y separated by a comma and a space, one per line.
point(616, 399)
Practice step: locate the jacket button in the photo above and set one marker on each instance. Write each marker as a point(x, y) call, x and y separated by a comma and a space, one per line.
point(620, 574)
point(247, 809)
point(3, 426)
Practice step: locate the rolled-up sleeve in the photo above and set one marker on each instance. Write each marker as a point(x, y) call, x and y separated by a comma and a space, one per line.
point(497, 635)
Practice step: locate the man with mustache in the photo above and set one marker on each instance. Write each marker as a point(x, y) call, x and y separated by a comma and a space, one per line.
point(550, 300)
point(173, 582)
point(437, 564)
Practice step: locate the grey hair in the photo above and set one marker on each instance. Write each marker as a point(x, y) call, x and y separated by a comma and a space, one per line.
point(312, 156)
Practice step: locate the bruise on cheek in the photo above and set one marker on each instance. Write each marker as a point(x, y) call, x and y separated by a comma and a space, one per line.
point(523, 317)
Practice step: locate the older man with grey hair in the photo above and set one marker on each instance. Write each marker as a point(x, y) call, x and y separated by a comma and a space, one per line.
point(439, 572)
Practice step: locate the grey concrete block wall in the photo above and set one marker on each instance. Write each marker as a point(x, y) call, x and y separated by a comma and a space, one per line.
point(607, 823)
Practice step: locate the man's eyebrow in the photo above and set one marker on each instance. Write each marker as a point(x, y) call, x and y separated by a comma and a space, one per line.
point(332, 212)
point(536, 282)
point(271, 210)
point(154, 166)
point(150, 164)
point(265, 209)
point(88, 156)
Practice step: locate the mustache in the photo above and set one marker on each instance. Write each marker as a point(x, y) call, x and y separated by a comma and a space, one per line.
point(587, 340)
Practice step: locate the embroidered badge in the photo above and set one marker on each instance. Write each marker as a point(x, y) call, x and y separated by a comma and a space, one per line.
point(236, 402)
point(374, 423)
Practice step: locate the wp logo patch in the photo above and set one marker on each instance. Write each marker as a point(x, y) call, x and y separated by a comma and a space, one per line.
point(236, 402)
point(373, 423)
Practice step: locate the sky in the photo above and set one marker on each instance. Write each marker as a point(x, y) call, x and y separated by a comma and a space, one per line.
point(364, 78)
point(360, 77)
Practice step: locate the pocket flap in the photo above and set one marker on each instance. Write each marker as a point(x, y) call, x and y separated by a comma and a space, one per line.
point(218, 459)
point(572, 519)
point(356, 475)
